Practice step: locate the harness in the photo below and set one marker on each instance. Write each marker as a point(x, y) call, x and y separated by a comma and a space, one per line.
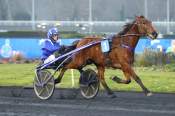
point(106, 44)
point(122, 44)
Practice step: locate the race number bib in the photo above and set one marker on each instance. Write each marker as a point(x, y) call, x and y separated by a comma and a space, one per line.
point(105, 46)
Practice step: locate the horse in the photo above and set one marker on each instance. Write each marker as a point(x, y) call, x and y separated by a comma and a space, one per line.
point(121, 55)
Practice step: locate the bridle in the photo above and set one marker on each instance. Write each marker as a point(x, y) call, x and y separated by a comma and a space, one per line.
point(122, 44)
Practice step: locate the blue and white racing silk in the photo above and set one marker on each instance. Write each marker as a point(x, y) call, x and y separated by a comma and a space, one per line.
point(48, 48)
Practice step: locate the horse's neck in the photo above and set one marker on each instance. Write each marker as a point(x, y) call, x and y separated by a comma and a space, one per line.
point(133, 39)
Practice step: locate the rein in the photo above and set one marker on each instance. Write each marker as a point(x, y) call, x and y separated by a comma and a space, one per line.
point(126, 35)
point(124, 45)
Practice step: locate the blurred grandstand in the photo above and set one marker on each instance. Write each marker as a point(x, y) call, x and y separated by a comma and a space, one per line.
point(84, 16)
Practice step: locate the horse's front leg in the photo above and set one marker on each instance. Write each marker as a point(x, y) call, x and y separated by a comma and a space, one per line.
point(129, 73)
point(127, 79)
point(138, 80)
point(60, 76)
point(103, 82)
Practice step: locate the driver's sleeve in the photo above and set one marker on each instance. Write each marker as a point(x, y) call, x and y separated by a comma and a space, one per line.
point(60, 51)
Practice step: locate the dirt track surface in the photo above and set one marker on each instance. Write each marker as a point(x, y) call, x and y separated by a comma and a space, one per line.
point(69, 102)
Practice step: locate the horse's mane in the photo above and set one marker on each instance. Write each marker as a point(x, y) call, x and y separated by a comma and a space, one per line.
point(126, 28)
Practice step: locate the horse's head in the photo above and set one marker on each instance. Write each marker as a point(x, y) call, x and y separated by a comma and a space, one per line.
point(145, 27)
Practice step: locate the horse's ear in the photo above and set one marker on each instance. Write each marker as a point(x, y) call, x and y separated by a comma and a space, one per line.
point(142, 16)
point(138, 17)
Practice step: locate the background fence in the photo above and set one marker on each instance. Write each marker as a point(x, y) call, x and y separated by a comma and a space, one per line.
point(84, 16)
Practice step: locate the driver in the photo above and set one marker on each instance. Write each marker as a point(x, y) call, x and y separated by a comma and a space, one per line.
point(51, 46)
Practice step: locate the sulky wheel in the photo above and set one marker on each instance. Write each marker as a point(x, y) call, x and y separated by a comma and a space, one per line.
point(89, 84)
point(44, 84)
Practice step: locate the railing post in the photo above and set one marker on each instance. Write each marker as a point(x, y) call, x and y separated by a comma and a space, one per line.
point(33, 15)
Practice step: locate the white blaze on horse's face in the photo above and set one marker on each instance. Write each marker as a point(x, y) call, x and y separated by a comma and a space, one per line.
point(146, 27)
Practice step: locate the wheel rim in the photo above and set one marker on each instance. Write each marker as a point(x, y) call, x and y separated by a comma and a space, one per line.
point(90, 90)
point(44, 84)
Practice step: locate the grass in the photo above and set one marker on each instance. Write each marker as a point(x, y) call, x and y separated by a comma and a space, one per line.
point(16, 74)
point(155, 80)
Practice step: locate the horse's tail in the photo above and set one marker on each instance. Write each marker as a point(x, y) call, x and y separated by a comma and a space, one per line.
point(71, 47)
point(74, 44)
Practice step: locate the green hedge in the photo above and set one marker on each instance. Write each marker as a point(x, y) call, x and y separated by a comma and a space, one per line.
point(154, 58)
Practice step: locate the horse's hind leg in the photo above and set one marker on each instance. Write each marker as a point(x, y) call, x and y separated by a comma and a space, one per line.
point(59, 78)
point(103, 82)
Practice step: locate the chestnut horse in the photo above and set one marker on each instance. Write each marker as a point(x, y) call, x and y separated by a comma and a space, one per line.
point(121, 55)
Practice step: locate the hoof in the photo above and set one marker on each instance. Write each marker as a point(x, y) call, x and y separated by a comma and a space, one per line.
point(56, 81)
point(149, 94)
point(112, 78)
point(116, 79)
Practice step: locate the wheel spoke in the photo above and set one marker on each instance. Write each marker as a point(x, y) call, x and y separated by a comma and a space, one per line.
point(92, 78)
point(87, 91)
point(92, 87)
point(38, 84)
point(44, 84)
point(90, 91)
point(50, 77)
point(39, 93)
point(38, 88)
point(47, 89)
point(45, 77)
point(50, 83)
point(89, 76)
point(37, 79)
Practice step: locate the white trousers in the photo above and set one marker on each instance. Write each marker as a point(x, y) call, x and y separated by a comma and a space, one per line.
point(50, 58)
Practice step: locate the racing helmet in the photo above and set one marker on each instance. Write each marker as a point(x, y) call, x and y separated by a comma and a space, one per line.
point(51, 32)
